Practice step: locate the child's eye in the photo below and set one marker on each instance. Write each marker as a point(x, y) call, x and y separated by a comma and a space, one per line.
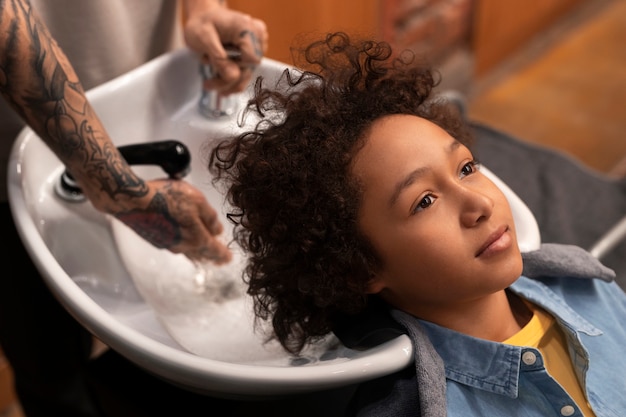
point(470, 168)
point(423, 204)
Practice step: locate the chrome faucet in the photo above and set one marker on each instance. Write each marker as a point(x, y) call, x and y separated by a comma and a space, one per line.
point(212, 104)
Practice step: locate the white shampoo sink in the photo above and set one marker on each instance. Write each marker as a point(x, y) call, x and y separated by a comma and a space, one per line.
point(92, 263)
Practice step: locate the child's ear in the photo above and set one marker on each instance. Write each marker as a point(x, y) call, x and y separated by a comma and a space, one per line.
point(376, 284)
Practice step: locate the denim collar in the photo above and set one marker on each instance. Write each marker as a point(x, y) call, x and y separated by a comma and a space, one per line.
point(493, 366)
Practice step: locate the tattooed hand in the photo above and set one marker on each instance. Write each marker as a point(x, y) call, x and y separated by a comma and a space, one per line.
point(210, 25)
point(179, 218)
point(38, 81)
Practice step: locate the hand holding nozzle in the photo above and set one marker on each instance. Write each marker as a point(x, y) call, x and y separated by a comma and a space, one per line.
point(215, 34)
point(232, 53)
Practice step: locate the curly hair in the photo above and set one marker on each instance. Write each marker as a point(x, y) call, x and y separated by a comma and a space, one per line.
point(294, 200)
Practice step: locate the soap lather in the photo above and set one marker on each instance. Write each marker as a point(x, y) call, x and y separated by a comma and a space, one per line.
point(213, 104)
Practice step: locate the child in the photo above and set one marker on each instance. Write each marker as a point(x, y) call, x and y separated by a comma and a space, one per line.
point(356, 187)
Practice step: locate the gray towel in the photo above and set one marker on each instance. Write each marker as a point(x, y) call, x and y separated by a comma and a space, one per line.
point(557, 260)
point(429, 369)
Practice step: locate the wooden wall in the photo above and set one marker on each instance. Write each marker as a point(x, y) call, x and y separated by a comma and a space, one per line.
point(498, 27)
point(287, 19)
point(501, 27)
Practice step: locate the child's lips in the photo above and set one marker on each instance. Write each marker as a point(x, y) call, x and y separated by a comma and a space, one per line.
point(497, 241)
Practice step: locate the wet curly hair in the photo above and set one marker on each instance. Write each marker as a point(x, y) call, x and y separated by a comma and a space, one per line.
point(294, 199)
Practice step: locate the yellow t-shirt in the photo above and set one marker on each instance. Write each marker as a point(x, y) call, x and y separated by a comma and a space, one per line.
point(542, 333)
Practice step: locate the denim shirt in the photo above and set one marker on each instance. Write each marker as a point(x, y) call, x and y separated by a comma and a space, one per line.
point(485, 378)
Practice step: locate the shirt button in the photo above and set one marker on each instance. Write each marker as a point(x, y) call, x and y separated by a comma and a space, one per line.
point(529, 358)
point(567, 410)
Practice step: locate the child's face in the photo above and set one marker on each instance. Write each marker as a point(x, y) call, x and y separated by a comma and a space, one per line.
point(444, 231)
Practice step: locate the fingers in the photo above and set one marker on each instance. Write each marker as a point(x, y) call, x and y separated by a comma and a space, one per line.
point(253, 41)
point(207, 33)
point(183, 211)
point(207, 228)
point(233, 75)
point(213, 249)
point(241, 77)
point(210, 220)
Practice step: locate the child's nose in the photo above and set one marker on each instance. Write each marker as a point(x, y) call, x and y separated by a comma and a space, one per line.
point(476, 206)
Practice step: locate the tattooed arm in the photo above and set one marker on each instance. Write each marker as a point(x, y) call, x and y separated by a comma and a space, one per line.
point(209, 24)
point(41, 85)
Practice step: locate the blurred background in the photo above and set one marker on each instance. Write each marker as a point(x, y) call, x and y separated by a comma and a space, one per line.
point(546, 71)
